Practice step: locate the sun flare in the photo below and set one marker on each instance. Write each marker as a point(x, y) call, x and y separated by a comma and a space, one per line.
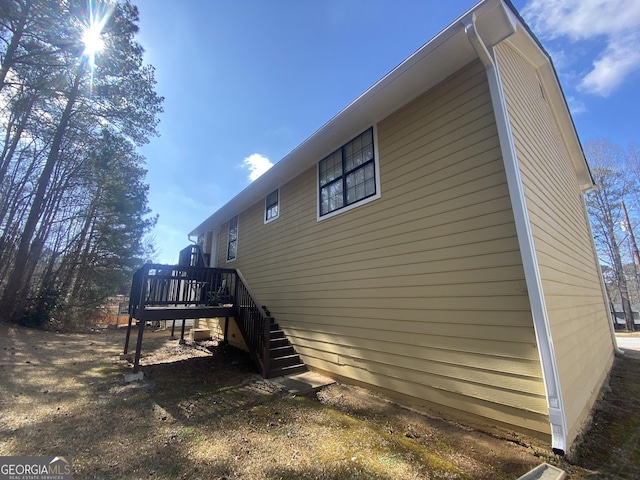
point(92, 39)
point(92, 33)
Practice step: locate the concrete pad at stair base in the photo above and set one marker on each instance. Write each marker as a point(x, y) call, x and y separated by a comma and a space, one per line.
point(544, 472)
point(133, 377)
point(303, 383)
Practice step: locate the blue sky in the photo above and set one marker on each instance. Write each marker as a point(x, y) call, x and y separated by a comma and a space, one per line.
point(246, 81)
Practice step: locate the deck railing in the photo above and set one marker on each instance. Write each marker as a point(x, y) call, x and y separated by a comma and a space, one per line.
point(175, 286)
point(157, 285)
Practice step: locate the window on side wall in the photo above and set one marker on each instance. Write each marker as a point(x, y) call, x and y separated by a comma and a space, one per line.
point(348, 176)
point(232, 242)
point(272, 206)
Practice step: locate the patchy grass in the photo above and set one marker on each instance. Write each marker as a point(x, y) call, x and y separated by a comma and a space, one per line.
point(202, 414)
point(612, 445)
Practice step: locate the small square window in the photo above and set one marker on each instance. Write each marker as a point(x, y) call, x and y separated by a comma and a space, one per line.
point(272, 206)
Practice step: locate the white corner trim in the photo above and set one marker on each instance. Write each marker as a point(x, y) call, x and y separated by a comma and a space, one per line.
point(605, 295)
point(557, 416)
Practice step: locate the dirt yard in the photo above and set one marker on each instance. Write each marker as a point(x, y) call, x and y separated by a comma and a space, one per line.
point(203, 413)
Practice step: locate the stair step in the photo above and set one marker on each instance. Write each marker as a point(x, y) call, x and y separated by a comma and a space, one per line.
point(277, 334)
point(278, 342)
point(282, 371)
point(285, 361)
point(282, 351)
point(274, 326)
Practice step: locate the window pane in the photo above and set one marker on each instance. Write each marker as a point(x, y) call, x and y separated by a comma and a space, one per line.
point(360, 184)
point(370, 187)
point(336, 199)
point(357, 144)
point(370, 180)
point(324, 207)
point(344, 181)
point(232, 243)
point(331, 168)
point(348, 163)
point(271, 205)
point(369, 171)
point(367, 138)
point(351, 188)
point(232, 251)
point(331, 197)
point(272, 212)
point(358, 151)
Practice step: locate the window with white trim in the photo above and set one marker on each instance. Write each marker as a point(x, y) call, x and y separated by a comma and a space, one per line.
point(232, 242)
point(272, 206)
point(348, 175)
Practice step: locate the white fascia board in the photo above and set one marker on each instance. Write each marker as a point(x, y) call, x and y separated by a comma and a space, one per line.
point(443, 55)
point(530, 48)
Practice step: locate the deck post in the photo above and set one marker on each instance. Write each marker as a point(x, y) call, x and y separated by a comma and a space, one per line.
point(184, 320)
point(126, 338)
point(173, 329)
point(226, 330)
point(136, 362)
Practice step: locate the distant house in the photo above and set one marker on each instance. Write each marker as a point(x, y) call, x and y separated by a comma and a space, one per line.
point(619, 322)
point(431, 241)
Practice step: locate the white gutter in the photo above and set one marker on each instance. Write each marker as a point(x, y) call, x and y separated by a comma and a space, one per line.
point(557, 417)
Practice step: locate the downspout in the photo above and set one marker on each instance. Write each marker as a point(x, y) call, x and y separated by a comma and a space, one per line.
point(557, 417)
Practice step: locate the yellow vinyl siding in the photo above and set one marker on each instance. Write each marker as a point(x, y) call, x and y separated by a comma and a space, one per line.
point(422, 291)
point(570, 279)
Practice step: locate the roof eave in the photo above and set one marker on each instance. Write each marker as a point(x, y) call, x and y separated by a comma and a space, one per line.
point(525, 41)
point(433, 62)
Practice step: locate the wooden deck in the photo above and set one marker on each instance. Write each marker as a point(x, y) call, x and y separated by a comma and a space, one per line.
point(192, 291)
point(151, 314)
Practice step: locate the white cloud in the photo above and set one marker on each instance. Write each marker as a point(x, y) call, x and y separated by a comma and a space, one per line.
point(576, 106)
point(618, 21)
point(620, 59)
point(257, 165)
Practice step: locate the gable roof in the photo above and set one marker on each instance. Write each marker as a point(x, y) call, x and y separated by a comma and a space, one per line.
point(444, 54)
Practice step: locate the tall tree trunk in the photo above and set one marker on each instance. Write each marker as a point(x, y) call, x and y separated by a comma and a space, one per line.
point(7, 61)
point(72, 260)
point(622, 283)
point(11, 302)
point(10, 147)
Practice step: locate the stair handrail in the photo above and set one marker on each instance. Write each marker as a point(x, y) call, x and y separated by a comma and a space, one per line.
point(258, 337)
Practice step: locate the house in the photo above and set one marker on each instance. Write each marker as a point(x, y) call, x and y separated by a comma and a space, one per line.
point(431, 240)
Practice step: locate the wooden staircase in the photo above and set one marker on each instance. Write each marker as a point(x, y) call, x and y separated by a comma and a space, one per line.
point(170, 292)
point(284, 359)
